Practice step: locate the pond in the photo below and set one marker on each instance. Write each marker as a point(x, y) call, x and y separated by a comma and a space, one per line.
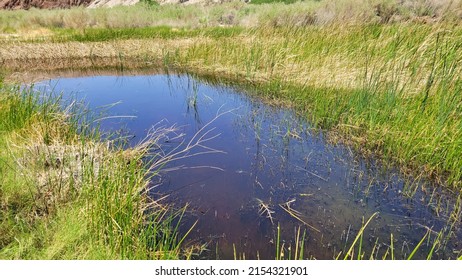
point(265, 176)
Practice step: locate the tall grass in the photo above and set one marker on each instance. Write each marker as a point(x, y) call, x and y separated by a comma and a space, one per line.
point(233, 13)
point(357, 249)
point(425, 248)
point(384, 77)
point(159, 32)
point(65, 194)
point(392, 90)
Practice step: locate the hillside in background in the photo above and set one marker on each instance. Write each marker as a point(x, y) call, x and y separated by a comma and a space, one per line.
point(53, 4)
point(44, 4)
point(60, 4)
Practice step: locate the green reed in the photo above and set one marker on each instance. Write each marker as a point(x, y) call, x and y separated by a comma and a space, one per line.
point(67, 193)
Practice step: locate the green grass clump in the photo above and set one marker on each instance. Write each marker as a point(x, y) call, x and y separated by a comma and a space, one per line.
point(158, 32)
point(67, 194)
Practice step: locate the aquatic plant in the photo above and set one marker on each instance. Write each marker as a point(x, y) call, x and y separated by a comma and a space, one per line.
point(68, 192)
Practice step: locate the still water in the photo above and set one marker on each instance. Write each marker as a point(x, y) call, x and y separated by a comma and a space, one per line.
point(264, 166)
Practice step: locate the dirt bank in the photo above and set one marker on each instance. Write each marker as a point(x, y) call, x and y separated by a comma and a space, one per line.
point(43, 4)
point(57, 4)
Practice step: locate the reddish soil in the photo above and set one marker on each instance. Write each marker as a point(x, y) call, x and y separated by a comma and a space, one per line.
point(42, 4)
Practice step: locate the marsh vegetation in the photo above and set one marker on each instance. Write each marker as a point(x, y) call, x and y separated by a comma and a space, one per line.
point(381, 77)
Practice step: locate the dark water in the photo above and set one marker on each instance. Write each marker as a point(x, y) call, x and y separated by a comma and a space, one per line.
point(269, 156)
